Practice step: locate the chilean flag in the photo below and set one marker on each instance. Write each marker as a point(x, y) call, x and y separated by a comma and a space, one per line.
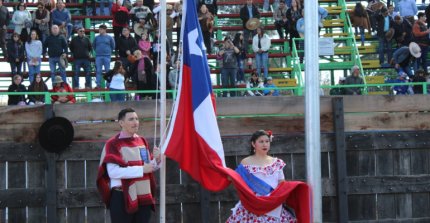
point(193, 139)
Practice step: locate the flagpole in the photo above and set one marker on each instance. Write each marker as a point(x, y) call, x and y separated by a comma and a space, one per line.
point(312, 109)
point(163, 55)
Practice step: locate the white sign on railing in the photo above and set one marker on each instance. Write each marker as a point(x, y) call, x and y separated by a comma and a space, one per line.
point(326, 46)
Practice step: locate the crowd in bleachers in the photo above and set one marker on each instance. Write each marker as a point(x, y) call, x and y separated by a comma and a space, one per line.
point(48, 31)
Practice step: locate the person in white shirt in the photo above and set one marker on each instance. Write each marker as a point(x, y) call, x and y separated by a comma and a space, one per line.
point(261, 45)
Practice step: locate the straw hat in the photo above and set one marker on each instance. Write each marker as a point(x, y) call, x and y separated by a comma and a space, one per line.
point(139, 29)
point(253, 24)
point(415, 49)
point(57, 80)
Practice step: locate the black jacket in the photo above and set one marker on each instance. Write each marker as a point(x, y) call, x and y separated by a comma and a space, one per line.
point(81, 47)
point(12, 52)
point(56, 45)
point(15, 99)
point(244, 15)
point(380, 22)
point(125, 44)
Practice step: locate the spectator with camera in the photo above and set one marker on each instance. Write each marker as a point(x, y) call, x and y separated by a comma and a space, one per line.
point(228, 54)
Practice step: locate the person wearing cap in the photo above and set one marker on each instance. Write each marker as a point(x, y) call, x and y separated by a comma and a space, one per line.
point(421, 37)
point(400, 89)
point(383, 25)
point(248, 11)
point(354, 79)
point(125, 177)
point(81, 47)
point(420, 77)
point(273, 90)
point(60, 86)
point(403, 56)
point(103, 45)
point(339, 90)
point(57, 47)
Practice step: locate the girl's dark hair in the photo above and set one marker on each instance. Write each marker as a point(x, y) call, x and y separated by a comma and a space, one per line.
point(254, 138)
point(116, 66)
point(236, 40)
point(359, 10)
point(29, 36)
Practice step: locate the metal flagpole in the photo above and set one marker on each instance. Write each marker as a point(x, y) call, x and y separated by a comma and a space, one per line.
point(162, 67)
point(312, 107)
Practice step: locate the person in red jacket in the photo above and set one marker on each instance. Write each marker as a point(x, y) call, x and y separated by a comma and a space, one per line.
point(61, 86)
point(121, 19)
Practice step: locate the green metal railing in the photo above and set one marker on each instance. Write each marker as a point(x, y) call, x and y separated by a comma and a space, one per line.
point(90, 95)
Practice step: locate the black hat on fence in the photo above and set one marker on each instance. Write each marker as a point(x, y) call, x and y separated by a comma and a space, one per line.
point(56, 134)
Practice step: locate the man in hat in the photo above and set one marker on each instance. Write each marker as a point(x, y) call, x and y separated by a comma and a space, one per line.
point(125, 176)
point(103, 45)
point(384, 24)
point(421, 37)
point(80, 46)
point(404, 55)
point(248, 12)
point(141, 14)
point(57, 47)
point(354, 79)
point(61, 87)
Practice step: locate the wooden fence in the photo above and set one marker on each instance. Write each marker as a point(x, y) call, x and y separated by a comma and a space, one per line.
point(385, 143)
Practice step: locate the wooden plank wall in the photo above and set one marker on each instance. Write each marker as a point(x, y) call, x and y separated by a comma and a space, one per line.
point(387, 158)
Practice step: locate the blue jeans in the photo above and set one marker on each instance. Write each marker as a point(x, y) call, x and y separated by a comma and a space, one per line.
point(261, 61)
point(406, 69)
point(361, 33)
point(422, 60)
point(33, 70)
point(53, 62)
point(84, 63)
point(101, 61)
point(116, 97)
point(385, 46)
point(228, 80)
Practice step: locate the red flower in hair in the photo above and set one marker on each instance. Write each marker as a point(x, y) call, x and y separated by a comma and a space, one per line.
point(269, 132)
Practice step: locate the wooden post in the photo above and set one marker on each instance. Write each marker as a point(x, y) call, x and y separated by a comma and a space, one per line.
point(51, 182)
point(205, 205)
point(342, 184)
